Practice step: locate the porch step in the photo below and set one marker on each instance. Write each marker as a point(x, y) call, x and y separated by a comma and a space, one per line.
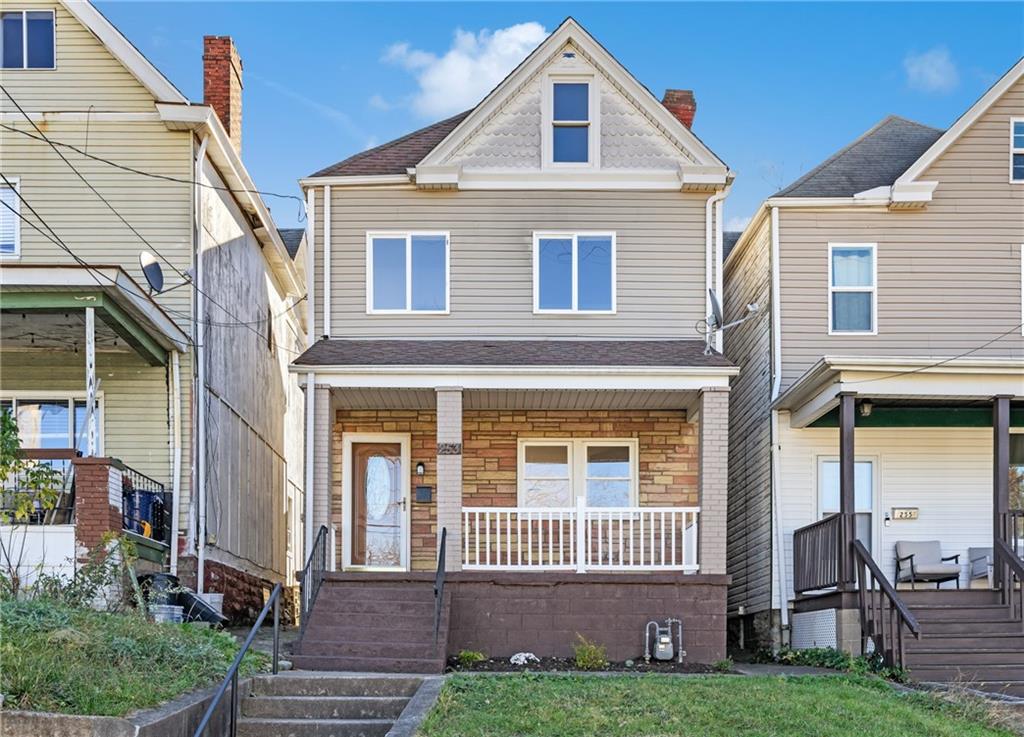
point(324, 632)
point(969, 626)
point(981, 613)
point(992, 674)
point(956, 657)
point(297, 704)
point(369, 664)
point(949, 597)
point(967, 641)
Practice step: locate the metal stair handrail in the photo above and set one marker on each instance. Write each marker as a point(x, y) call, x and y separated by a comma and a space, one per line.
point(439, 583)
point(312, 574)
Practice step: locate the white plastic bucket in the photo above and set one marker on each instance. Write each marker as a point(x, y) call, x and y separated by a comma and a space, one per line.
point(166, 613)
point(214, 600)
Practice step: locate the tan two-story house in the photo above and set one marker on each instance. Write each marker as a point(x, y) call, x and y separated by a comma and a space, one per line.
point(508, 309)
point(170, 406)
point(876, 451)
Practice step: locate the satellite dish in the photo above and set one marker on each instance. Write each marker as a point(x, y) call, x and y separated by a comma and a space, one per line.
point(152, 271)
point(716, 310)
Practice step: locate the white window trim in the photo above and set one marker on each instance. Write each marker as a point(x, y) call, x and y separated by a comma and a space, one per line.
point(548, 121)
point(577, 457)
point(407, 235)
point(1014, 150)
point(17, 218)
point(56, 395)
point(575, 236)
point(24, 41)
point(873, 289)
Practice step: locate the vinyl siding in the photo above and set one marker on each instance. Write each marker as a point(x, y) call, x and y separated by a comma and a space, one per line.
point(660, 261)
point(945, 472)
point(87, 75)
point(748, 279)
point(949, 276)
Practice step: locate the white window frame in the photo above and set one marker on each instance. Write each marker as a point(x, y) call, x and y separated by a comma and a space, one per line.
point(593, 124)
point(24, 41)
point(34, 395)
point(876, 491)
point(873, 289)
point(1014, 149)
point(408, 236)
point(577, 457)
point(575, 236)
point(17, 218)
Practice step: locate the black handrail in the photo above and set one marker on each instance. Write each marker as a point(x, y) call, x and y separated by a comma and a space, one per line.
point(232, 674)
point(1010, 574)
point(439, 583)
point(312, 575)
point(883, 614)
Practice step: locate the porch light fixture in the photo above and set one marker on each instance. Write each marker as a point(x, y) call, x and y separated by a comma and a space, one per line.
point(866, 408)
point(420, 469)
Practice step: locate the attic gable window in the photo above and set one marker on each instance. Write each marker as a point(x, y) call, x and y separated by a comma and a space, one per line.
point(571, 122)
point(27, 39)
point(1017, 150)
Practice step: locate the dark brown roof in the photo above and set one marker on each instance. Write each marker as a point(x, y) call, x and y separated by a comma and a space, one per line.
point(394, 157)
point(583, 353)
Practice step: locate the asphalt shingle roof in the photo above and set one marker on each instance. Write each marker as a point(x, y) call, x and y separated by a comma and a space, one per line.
point(292, 238)
point(583, 353)
point(729, 239)
point(394, 157)
point(876, 159)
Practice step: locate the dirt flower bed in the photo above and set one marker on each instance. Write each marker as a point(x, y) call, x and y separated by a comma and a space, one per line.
point(562, 665)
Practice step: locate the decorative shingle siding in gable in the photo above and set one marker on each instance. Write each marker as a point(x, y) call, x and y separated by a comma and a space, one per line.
point(949, 275)
point(511, 138)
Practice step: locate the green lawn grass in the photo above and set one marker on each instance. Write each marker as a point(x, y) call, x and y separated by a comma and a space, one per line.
point(706, 706)
point(77, 661)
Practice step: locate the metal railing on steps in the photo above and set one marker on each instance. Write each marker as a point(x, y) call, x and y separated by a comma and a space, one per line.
point(439, 583)
point(883, 614)
point(312, 574)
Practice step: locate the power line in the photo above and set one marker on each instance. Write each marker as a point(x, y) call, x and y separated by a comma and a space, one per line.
point(153, 175)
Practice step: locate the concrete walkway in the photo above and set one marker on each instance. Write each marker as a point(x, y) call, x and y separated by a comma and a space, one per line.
point(774, 669)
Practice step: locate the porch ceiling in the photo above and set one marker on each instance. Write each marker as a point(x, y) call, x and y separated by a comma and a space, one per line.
point(532, 399)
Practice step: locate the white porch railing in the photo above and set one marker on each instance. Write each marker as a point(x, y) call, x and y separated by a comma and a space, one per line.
point(580, 538)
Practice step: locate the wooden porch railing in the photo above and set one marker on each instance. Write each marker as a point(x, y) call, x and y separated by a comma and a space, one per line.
point(1013, 523)
point(580, 538)
point(816, 555)
point(883, 615)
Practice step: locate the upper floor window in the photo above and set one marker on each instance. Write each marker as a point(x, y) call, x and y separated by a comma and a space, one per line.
point(852, 279)
point(574, 272)
point(27, 39)
point(407, 272)
point(1017, 150)
point(570, 118)
point(10, 222)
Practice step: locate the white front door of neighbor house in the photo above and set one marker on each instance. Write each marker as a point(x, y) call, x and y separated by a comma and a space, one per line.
point(863, 494)
point(376, 501)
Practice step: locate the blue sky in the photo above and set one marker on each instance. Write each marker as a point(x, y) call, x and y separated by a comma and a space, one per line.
point(779, 87)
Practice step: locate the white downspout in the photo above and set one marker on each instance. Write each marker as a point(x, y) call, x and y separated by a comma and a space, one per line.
point(175, 457)
point(709, 251)
point(310, 428)
point(776, 342)
point(200, 393)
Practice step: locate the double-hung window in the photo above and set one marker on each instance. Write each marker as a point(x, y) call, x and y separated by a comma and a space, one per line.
point(852, 288)
point(552, 473)
point(27, 39)
point(407, 272)
point(574, 272)
point(49, 421)
point(1017, 149)
point(10, 220)
point(570, 121)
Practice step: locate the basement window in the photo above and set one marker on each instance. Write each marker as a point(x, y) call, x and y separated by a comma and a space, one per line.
point(27, 39)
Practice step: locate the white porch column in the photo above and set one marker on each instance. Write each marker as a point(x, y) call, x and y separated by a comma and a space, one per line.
point(449, 473)
point(91, 447)
point(714, 479)
point(323, 432)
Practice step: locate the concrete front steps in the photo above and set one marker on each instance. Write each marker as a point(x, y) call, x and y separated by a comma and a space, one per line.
point(374, 623)
point(298, 704)
point(968, 638)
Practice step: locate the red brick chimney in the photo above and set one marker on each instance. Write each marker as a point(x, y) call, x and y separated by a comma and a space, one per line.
point(222, 84)
point(682, 104)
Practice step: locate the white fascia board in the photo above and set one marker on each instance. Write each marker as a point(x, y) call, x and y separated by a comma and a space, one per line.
point(826, 202)
point(124, 51)
point(962, 123)
point(913, 191)
point(555, 179)
point(383, 180)
point(570, 30)
point(516, 377)
point(231, 169)
point(748, 233)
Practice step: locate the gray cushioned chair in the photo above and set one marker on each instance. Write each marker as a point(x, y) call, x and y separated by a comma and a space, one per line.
point(923, 561)
point(979, 564)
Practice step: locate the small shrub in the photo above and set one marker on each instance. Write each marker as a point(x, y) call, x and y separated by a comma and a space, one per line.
point(830, 657)
point(589, 654)
point(467, 658)
point(724, 666)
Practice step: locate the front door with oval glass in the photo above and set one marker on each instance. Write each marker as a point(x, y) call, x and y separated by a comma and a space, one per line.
point(377, 491)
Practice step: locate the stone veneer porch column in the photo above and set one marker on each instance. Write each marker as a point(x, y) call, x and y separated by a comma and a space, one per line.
point(449, 473)
point(713, 428)
point(323, 433)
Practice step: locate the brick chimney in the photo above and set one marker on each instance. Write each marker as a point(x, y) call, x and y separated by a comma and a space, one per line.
point(222, 84)
point(682, 104)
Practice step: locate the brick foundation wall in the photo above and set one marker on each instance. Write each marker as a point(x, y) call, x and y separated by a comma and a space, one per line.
point(244, 593)
point(542, 613)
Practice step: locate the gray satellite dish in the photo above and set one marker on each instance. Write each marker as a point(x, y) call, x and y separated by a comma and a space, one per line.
point(716, 310)
point(152, 271)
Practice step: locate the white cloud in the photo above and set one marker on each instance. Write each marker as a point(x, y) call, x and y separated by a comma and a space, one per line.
point(377, 102)
point(736, 224)
point(931, 71)
point(471, 68)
